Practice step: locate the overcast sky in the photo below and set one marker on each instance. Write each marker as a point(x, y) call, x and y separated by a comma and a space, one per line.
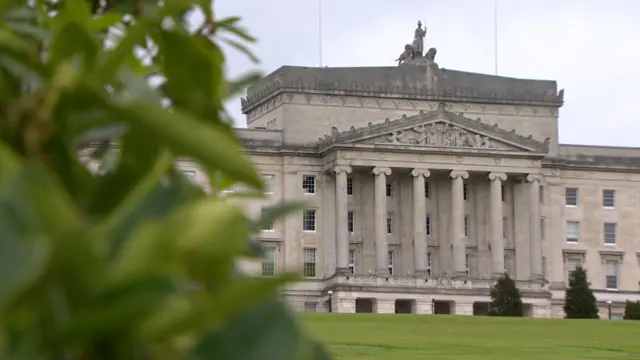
point(591, 47)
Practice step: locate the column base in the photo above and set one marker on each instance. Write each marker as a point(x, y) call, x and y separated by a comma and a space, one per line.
point(460, 275)
point(343, 272)
point(497, 276)
point(537, 278)
point(421, 274)
point(383, 273)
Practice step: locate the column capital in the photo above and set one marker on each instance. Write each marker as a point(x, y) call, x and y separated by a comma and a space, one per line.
point(497, 176)
point(459, 174)
point(342, 168)
point(420, 172)
point(381, 170)
point(534, 178)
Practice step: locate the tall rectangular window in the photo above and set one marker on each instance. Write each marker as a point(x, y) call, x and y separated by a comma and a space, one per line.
point(349, 186)
point(310, 307)
point(429, 264)
point(610, 233)
point(612, 274)
point(389, 223)
point(267, 227)
point(608, 199)
point(572, 264)
point(269, 184)
point(389, 190)
point(309, 184)
point(428, 224)
point(390, 258)
point(571, 196)
point(503, 193)
point(466, 225)
point(504, 227)
point(541, 194)
point(309, 266)
point(352, 261)
point(269, 262)
point(467, 263)
point(542, 228)
point(465, 191)
point(573, 231)
point(351, 221)
point(427, 190)
point(309, 220)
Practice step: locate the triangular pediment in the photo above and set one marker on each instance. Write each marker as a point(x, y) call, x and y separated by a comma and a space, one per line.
point(437, 129)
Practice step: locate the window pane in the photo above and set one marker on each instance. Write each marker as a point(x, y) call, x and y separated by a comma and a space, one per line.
point(309, 267)
point(309, 220)
point(608, 198)
point(269, 184)
point(309, 184)
point(571, 196)
point(573, 231)
point(610, 233)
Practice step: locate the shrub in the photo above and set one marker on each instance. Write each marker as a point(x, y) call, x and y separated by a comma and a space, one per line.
point(506, 299)
point(579, 301)
point(131, 261)
point(632, 310)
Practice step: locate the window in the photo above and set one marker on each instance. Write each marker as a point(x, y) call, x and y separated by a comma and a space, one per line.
point(542, 228)
point(541, 194)
point(269, 262)
point(467, 261)
point(506, 264)
point(612, 274)
point(390, 261)
point(389, 223)
point(309, 184)
point(428, 224)
point(352, 261)
point(504, 227)
point(466, 225)
point(310, 307)
point(191, 175)
point(389, 193)
point(609, 199)
point(428, 264)
point(349, 186)
point(573, 231)
point(427, 190)
point(572, 265)
point(503, 193)
point(309, 220)
point(269, 184)
point(465, 192)
point(609, 233)
point(571, 196)
point(350, 221)
point(309, 266)
point(267, 227)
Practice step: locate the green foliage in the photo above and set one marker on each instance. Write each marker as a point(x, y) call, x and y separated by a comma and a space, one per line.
point(506, 299)
point(579, 301)
point(132, 261)
point(632, 310)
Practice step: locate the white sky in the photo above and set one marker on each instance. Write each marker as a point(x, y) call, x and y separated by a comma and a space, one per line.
point(591, 47)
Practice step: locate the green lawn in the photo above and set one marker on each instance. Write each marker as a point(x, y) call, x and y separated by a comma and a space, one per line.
point(410, 337)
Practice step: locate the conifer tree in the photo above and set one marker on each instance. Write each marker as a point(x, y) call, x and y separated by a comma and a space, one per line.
point(506, 299)
point(579, 301)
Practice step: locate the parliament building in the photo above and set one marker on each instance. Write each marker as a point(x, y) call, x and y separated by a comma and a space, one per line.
point(425, 184)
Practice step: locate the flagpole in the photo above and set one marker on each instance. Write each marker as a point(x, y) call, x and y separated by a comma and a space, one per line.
point(495, 34)
point(320, 31)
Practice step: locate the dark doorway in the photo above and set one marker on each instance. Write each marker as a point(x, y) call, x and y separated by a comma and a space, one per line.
point(442, 307)
point(481, 309)
point(404, 306)
point(364, 305)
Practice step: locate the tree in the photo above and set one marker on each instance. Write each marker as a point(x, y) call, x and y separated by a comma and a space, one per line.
point(133, 261)
point(632, 310)
point(579, 301)
point(506, 299)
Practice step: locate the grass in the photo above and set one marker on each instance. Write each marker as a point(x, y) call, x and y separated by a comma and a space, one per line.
point(433, 337)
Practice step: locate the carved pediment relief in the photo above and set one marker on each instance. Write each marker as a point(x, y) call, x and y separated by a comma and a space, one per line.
point(439, 134)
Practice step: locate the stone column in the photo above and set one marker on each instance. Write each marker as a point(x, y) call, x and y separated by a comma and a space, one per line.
point(419, 222)
point(342, 229)
point(456, 222)
point(535, 241)
point(380, 222)
point(496, 239)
